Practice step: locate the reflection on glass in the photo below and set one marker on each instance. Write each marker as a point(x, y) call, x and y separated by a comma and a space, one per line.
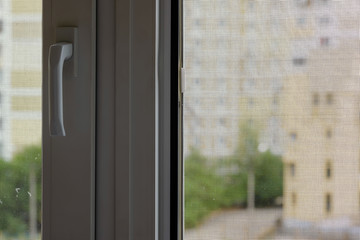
point(272, 119)
point(20, 119)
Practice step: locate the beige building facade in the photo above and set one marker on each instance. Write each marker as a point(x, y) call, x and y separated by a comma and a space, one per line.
point(320, 109)
point(21, 78)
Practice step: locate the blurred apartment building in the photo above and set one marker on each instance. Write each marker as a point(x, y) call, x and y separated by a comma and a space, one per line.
point(321, 114)
point(234, 73)
point(213, 73)
point(292, 68)
point(20, 75)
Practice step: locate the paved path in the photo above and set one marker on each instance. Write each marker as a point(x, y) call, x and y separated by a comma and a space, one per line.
point(235, 225)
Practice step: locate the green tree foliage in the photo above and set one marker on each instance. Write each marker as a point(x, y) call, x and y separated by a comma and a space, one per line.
point(14, 190)
point(202, 189)
point(207, 189)
point(234, 194)
point(266, 166)
point(269, 179)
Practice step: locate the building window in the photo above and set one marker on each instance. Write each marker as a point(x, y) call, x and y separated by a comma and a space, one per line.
point(275, 101)
point(222, 22)
point(196, 141)
point(316, 99)
point(329, 99)
point(197, 22)
point(324, 41)
point(222, 142)
point(328, 203)
point(222, 122)
point(324, 21)
point(197, 81)
point(250, 123)
point(250, 102)
point(251, 4)
point(197, 42)
point(293, 136)
point(292, 169)
point(301, 21)
point(328, 170)
point(328, 133)
point(221, 101)
point(299, 61)
point(293, 199)
point(250, 83)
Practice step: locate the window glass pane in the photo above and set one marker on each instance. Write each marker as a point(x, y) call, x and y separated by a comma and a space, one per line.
point(271, 119)
point(20, 118)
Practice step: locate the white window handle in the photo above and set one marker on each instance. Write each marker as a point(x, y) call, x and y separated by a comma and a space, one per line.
point(58, 54)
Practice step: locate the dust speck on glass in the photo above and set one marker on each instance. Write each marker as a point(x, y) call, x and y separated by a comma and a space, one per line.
point(271, 119)
point(20, 119)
